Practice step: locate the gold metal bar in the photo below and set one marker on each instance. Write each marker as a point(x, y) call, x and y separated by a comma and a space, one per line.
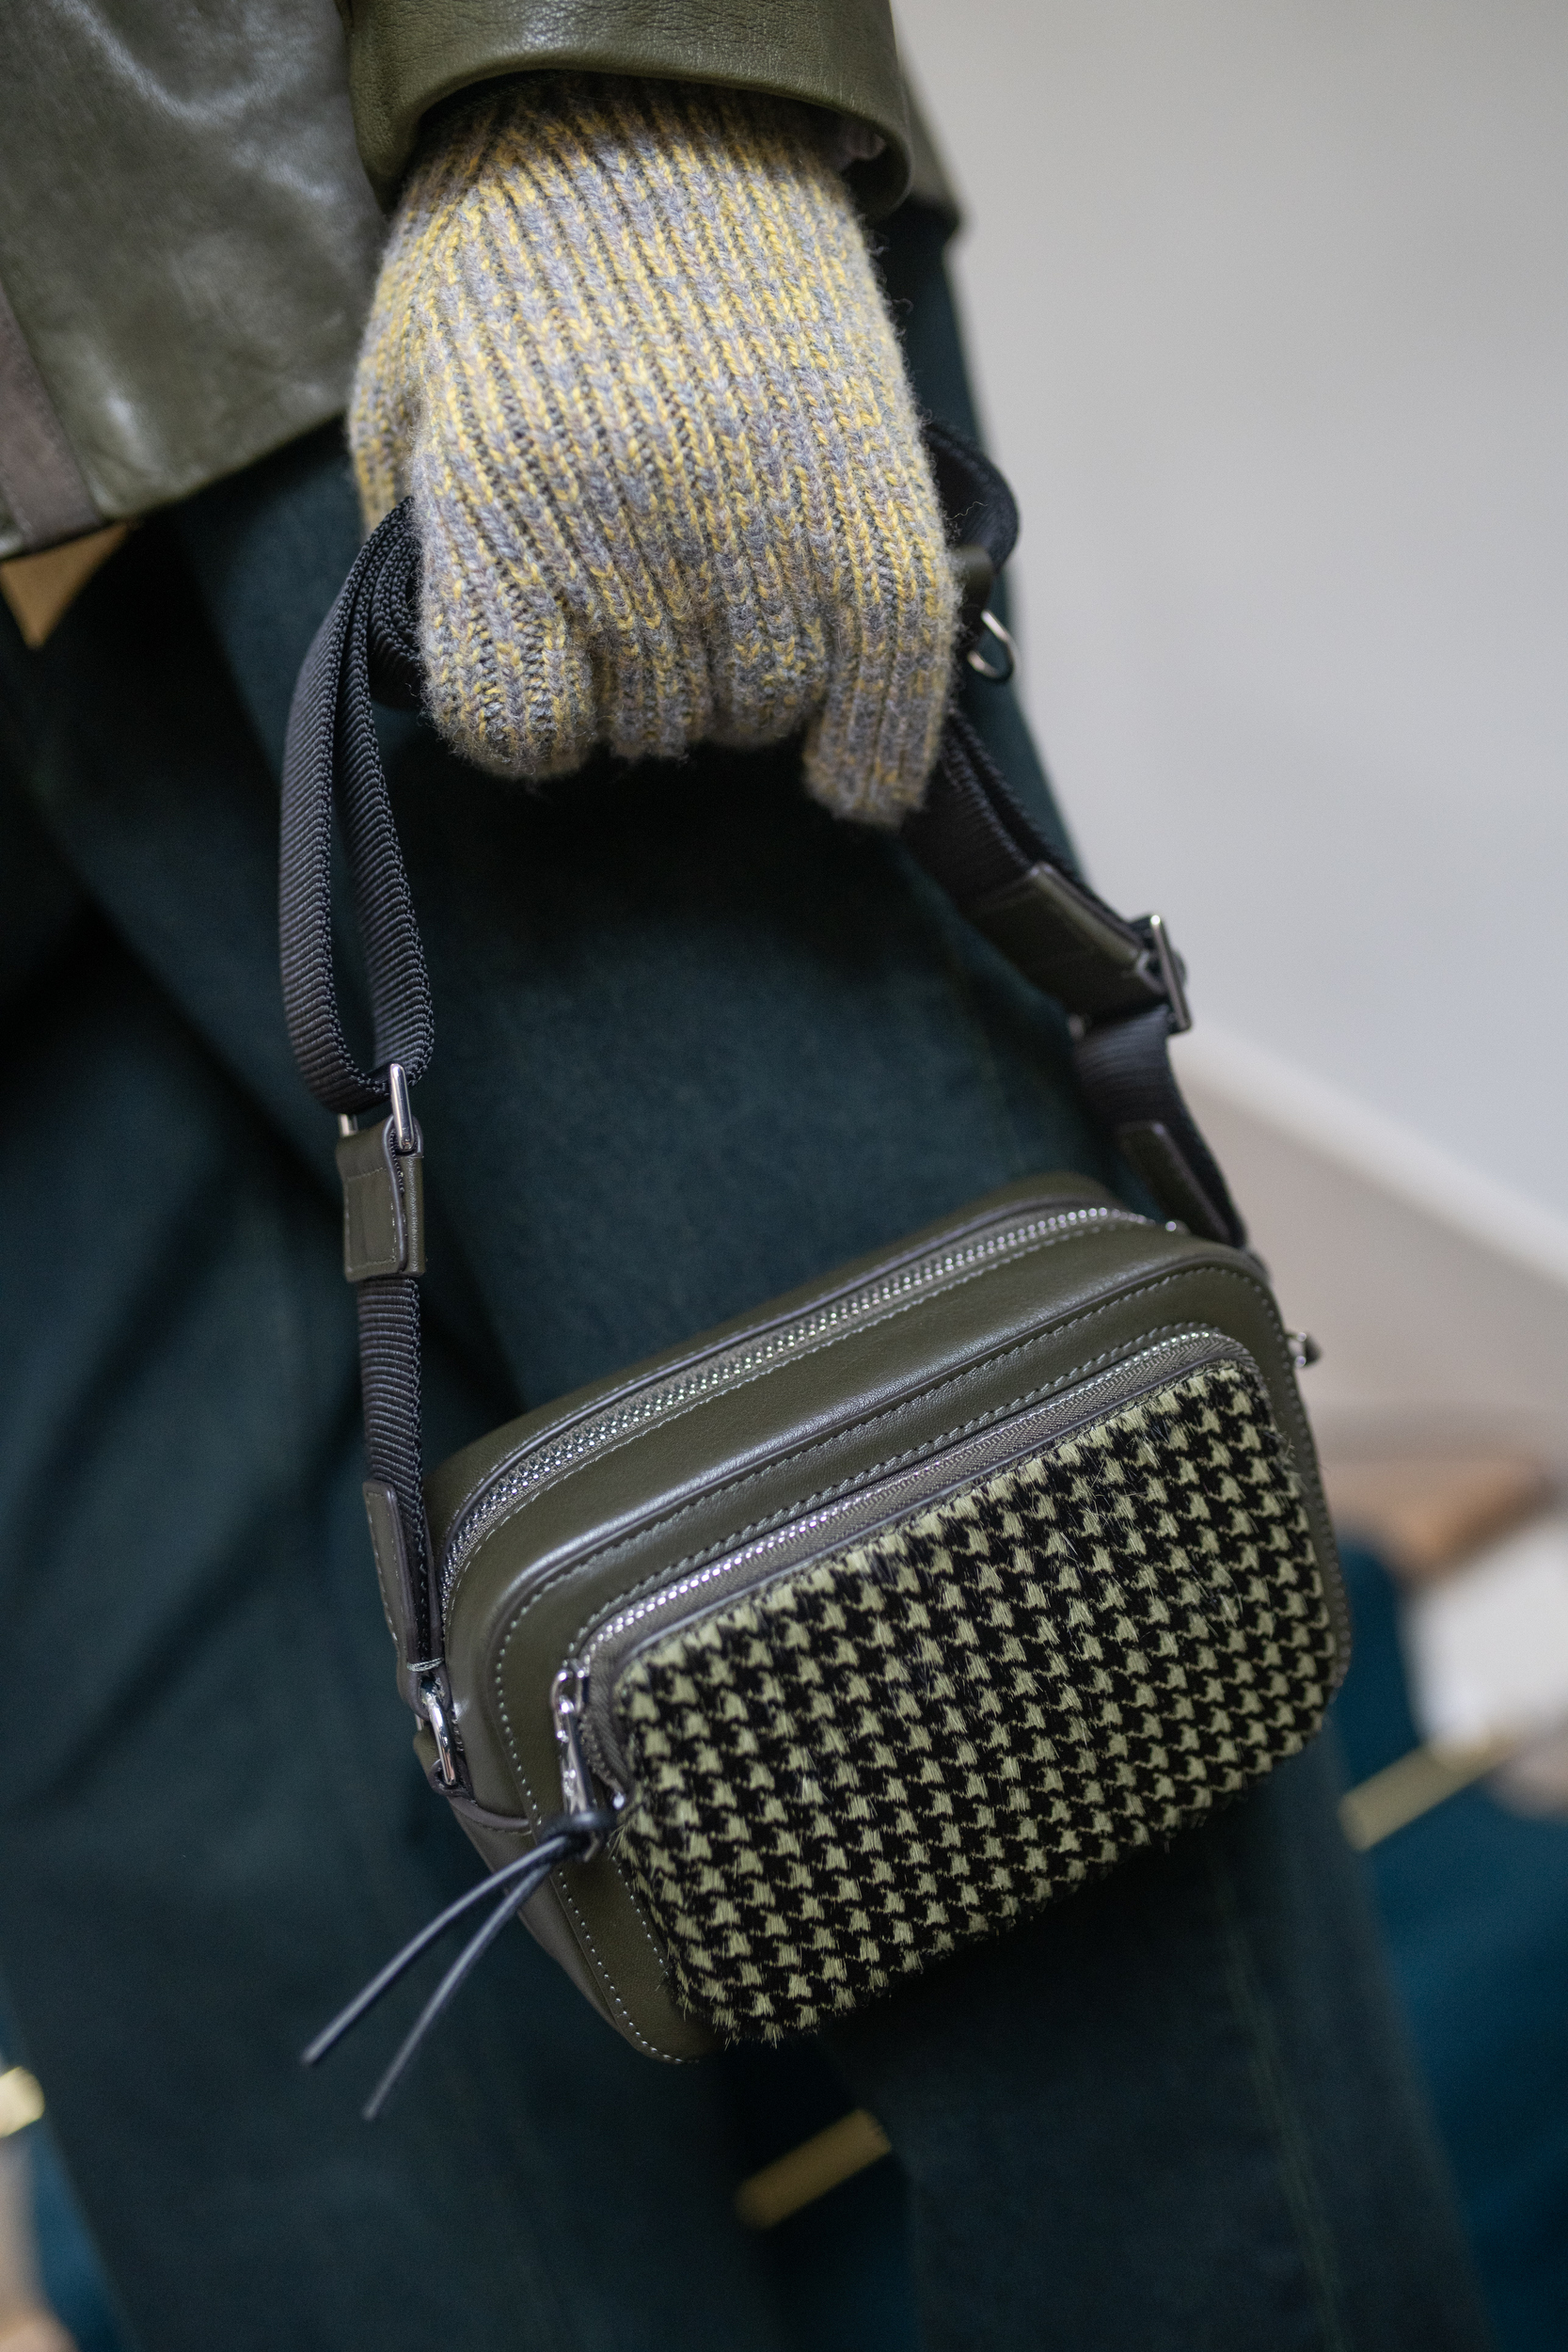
point(41, 589)
point(809, 2171)
point(21, 2099)
point(1401, 1793)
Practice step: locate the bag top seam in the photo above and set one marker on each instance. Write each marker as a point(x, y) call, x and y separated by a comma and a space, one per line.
point(628, 1388)
point(552, 1482)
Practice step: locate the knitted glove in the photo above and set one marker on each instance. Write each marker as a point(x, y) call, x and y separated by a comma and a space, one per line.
point(629, 354)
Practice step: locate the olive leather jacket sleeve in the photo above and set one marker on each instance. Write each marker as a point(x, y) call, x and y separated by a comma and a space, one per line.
point(404, 56)
point(190, 196)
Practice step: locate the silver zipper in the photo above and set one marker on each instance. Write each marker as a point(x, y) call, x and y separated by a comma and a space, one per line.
point(547, 1459)
point(586, 1683)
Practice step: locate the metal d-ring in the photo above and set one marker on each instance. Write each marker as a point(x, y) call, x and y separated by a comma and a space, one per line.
point(985, 669)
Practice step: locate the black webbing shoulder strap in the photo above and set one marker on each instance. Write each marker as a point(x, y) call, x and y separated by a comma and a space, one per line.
point(332, 771)
point(367, 646)
point(1120, 983)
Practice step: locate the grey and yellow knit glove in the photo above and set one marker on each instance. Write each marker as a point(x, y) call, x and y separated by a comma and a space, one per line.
point(630, 355)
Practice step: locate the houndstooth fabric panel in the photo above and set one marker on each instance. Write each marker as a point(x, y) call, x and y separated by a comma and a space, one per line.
point(896, 1750)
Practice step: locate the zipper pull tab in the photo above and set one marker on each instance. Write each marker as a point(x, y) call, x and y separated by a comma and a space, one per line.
point(433, 1706)
point(567, 1694)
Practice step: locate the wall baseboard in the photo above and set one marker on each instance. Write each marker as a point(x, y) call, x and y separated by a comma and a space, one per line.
point(1440, 1298)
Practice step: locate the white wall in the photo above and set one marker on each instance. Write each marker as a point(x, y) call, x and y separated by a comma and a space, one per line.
point(1269, 310)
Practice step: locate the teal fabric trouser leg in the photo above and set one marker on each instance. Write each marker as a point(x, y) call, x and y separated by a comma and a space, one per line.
point(695, 1042)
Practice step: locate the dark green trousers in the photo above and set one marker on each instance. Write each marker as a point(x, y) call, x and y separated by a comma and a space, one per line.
point(696, 1043)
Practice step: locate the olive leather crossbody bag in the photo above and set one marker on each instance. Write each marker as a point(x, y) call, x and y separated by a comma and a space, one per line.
point(774, 1668)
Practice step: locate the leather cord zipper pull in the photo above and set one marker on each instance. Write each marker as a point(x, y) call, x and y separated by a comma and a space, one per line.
point(569, 1837)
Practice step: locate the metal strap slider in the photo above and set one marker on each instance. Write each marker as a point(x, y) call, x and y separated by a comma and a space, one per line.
point(382, 1170)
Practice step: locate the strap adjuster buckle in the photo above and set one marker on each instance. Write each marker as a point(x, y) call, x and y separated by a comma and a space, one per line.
point(382, 1168)
point(1169, 971)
